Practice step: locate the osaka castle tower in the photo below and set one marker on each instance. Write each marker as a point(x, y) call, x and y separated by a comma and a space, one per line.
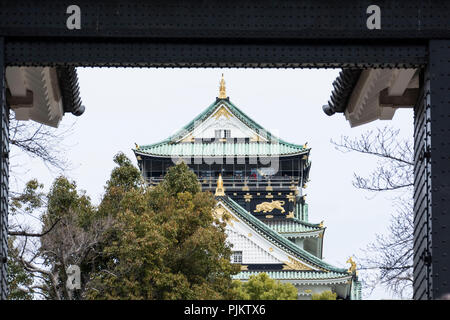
point(258, 181)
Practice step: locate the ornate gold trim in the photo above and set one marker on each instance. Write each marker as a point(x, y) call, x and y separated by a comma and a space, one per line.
point(244, 267)
point(269, 206)
point(269, 196)
point(222, 112)
point(189, 138)
point(269, 216)
point(248, 197)
point(220, 190)
point(293, 264)
point(221, 214)
point(352, 269)
point(222, 89)
point(291, 197)
point(256, 138)
point(290, 215)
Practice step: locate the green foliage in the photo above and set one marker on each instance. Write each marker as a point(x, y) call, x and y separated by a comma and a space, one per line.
point(139, 243)
point(31, 199)
point(124, 178)
point(125, 175)
point(325, 295)
point(181, 179)
point(166, 243)
point(65, 201)
point(262, 287)
point(74, 236)
point(19, 280)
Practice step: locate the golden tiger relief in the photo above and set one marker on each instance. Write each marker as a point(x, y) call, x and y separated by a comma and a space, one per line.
point(269, 206)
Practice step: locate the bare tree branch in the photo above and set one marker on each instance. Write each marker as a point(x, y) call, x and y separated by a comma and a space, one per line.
point(28, 234)
point(389, 259)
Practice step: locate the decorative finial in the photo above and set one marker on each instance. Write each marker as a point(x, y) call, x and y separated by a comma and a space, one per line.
point(222, 90)
point(137, 146)
point(352, 269)
point(220, 190)
point(321, 224)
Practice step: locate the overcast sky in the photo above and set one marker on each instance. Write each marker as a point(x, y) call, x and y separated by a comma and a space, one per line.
point(144, 106)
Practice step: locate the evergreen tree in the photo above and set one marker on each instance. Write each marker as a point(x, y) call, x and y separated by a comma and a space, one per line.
point(326, 295)
point(166, 243)
point(262, 287)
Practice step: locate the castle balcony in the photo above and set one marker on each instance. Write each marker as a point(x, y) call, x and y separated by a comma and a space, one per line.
point(244, 184)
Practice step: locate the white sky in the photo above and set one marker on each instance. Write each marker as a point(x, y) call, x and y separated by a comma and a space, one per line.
point(124, 106)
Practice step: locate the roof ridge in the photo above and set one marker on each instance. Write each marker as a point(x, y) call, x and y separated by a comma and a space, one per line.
point(279, 238)
point(259, 126)
point(236, 112)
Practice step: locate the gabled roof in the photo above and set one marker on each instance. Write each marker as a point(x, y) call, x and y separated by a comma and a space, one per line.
point(293, 225)
point(171, 145)
point(276, 238)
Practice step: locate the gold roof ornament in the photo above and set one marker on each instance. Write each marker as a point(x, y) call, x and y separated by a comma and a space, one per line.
point(352, 269)
point(222, 90)
point(222, 112)
point(137, 146)
point(321, 224)
point(220, 190)
point(293, 264)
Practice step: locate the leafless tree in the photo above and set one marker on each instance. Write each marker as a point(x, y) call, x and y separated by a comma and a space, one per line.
point(48, 257)
point(390, 257)
point(29, 139)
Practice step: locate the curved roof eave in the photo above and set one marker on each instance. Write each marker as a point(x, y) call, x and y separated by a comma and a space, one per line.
point(274, 236)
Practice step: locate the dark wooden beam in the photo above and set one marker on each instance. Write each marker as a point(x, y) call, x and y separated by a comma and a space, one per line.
point(407, 100)
point(15, 102)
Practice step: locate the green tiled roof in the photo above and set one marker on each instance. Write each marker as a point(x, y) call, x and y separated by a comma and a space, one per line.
point(168, 147)
point(275, 237)
point(294, 275)
point(293, 225)
point(219, 149)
